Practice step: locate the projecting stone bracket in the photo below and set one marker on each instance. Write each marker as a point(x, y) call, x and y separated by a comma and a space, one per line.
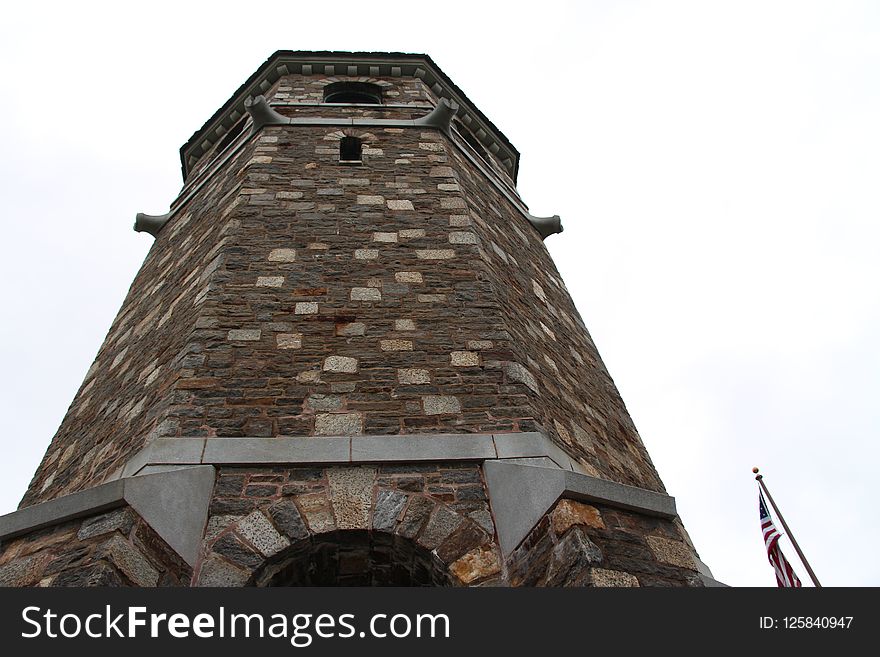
point(174, 503)
point(520, 495)
point(441, 116)
point(150, 223)
point(546, 226)
point(262, 114)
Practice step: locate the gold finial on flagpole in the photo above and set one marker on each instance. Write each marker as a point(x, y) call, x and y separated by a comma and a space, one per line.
point(759, 477)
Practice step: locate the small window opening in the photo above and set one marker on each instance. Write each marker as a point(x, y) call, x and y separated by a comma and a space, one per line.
point(350, 149)
point(353, 92)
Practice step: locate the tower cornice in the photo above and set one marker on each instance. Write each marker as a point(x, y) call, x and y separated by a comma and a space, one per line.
point(332, 63)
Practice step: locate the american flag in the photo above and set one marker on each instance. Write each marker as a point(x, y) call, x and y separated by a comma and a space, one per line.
point(785, 576)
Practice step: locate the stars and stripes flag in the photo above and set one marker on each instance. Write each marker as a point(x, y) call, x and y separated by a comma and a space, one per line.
point(785, 576)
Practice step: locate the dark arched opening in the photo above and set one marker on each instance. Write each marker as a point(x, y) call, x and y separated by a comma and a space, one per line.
point(354, 558)
point(353, 92)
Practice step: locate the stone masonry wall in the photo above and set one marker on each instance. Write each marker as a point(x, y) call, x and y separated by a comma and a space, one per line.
point(349, 302)
point(117, 548)
point(576, 544)
point(571, 393)
point(295, 295)
point(314, 298)
point(211, 277)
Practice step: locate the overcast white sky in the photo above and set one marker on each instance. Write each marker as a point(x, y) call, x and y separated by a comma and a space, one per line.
point(715, 164)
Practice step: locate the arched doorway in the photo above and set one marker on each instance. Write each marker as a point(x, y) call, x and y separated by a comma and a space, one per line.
point(353, 558)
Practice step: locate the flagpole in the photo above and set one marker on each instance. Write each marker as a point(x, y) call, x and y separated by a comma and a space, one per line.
point(797, 548)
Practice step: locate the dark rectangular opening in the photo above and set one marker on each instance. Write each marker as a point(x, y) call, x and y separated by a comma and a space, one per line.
point(350, 149)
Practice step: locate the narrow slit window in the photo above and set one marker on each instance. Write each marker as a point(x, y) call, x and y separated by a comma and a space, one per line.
point(350, 149)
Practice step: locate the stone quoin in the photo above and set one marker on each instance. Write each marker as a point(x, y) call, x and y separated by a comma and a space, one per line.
point(347, 359)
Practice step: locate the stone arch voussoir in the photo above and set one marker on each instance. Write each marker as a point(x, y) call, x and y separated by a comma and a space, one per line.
point(336, 135)
point(351, 520)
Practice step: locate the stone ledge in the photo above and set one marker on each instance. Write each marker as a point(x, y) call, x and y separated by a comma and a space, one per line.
point(331, 450)
point(423, 447)
point(320, 449)
point(69, 507)
point(585, 488)
point(174, 503)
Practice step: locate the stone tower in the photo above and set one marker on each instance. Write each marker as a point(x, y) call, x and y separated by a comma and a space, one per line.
point(348, 358)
